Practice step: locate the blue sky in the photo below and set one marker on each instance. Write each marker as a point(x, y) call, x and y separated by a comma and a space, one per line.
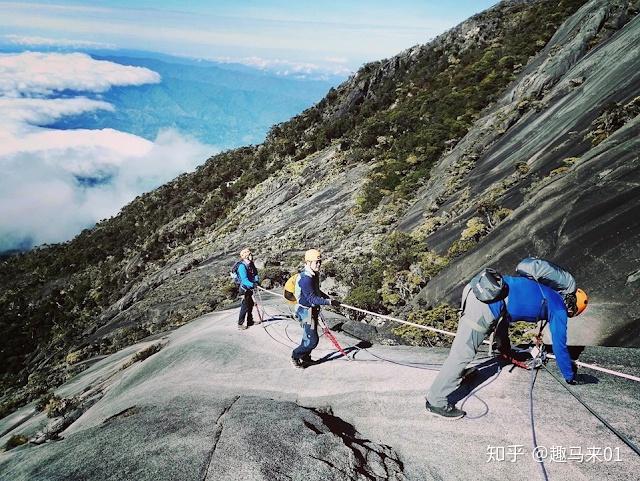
point(335, 35)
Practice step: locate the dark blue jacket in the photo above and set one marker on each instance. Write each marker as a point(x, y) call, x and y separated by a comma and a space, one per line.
point(248, 275)
point(310, 293)
point(530, 301)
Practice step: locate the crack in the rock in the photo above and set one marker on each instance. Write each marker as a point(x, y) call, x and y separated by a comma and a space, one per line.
point(216, 437)
point(333, 466)
point(124, 413)
point(347, 433)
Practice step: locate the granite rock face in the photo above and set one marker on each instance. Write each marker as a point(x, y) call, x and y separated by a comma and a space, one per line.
point(540, 151)
point(216, 403)
point(238, 438)
point(576, 202)
point(188, 412)
point(533, 152)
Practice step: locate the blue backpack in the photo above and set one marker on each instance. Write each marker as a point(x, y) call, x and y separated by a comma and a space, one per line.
point(234, 273)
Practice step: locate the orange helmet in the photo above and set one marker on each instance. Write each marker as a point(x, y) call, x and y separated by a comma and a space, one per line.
point(581, 302)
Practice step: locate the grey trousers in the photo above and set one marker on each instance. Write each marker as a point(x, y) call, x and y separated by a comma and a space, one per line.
point(476, 322)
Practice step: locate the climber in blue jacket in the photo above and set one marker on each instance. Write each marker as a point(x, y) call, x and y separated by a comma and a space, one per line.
point(249, 279)
point(530, 301)
point(527, 300)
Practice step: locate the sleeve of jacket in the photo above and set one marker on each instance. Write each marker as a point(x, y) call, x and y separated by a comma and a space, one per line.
point(256, 277)
point(308, 291)
point(558, 327)
point(244, 278)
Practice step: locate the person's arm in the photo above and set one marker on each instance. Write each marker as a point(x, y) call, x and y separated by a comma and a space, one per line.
point(558, 328)
point(257, 277)
point(309, 291)
point(244, 278)
point(316, 286)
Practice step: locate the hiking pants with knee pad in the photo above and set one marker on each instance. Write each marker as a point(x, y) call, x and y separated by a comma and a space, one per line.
point(476, 322)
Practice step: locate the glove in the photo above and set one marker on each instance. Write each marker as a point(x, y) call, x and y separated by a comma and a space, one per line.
point(335, 303)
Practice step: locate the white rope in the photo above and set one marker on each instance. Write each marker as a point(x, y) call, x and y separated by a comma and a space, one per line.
point(394, 319)
point(440, 331)
point(602, 369)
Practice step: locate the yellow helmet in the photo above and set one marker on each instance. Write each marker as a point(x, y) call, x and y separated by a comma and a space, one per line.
point(312, 255)
point(245, 253)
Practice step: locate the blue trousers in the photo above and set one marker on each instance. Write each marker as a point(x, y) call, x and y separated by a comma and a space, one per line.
point(309, 318)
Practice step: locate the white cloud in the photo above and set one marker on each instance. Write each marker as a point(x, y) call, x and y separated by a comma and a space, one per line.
point(32, 41)
point(338, 60)
point(38, 112)
point(39, 74)
point(332, 66)
point(54, 182)
point(42, 197)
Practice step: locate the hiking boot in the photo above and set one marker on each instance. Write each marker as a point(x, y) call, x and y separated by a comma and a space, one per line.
point(447, 412)
point(297, 363)
point(242, 327)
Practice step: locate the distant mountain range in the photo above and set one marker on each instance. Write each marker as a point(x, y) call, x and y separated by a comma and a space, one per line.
point(226, 105)
point(200, 105)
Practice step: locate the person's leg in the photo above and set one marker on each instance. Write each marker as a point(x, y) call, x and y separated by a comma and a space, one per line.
point(243, 308)
point(309, 341)
point(473, 327)
point(313, 333)
point(248, 300)
point(304, 316)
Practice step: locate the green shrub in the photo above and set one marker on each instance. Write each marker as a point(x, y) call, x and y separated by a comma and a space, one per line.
point(442, 317)
point(15, 441)
point(58, 406)
point(460, 246)
point(365, 297)
point(476, 229)
point(41, 404)
point(144, 354)
point(522, 333)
